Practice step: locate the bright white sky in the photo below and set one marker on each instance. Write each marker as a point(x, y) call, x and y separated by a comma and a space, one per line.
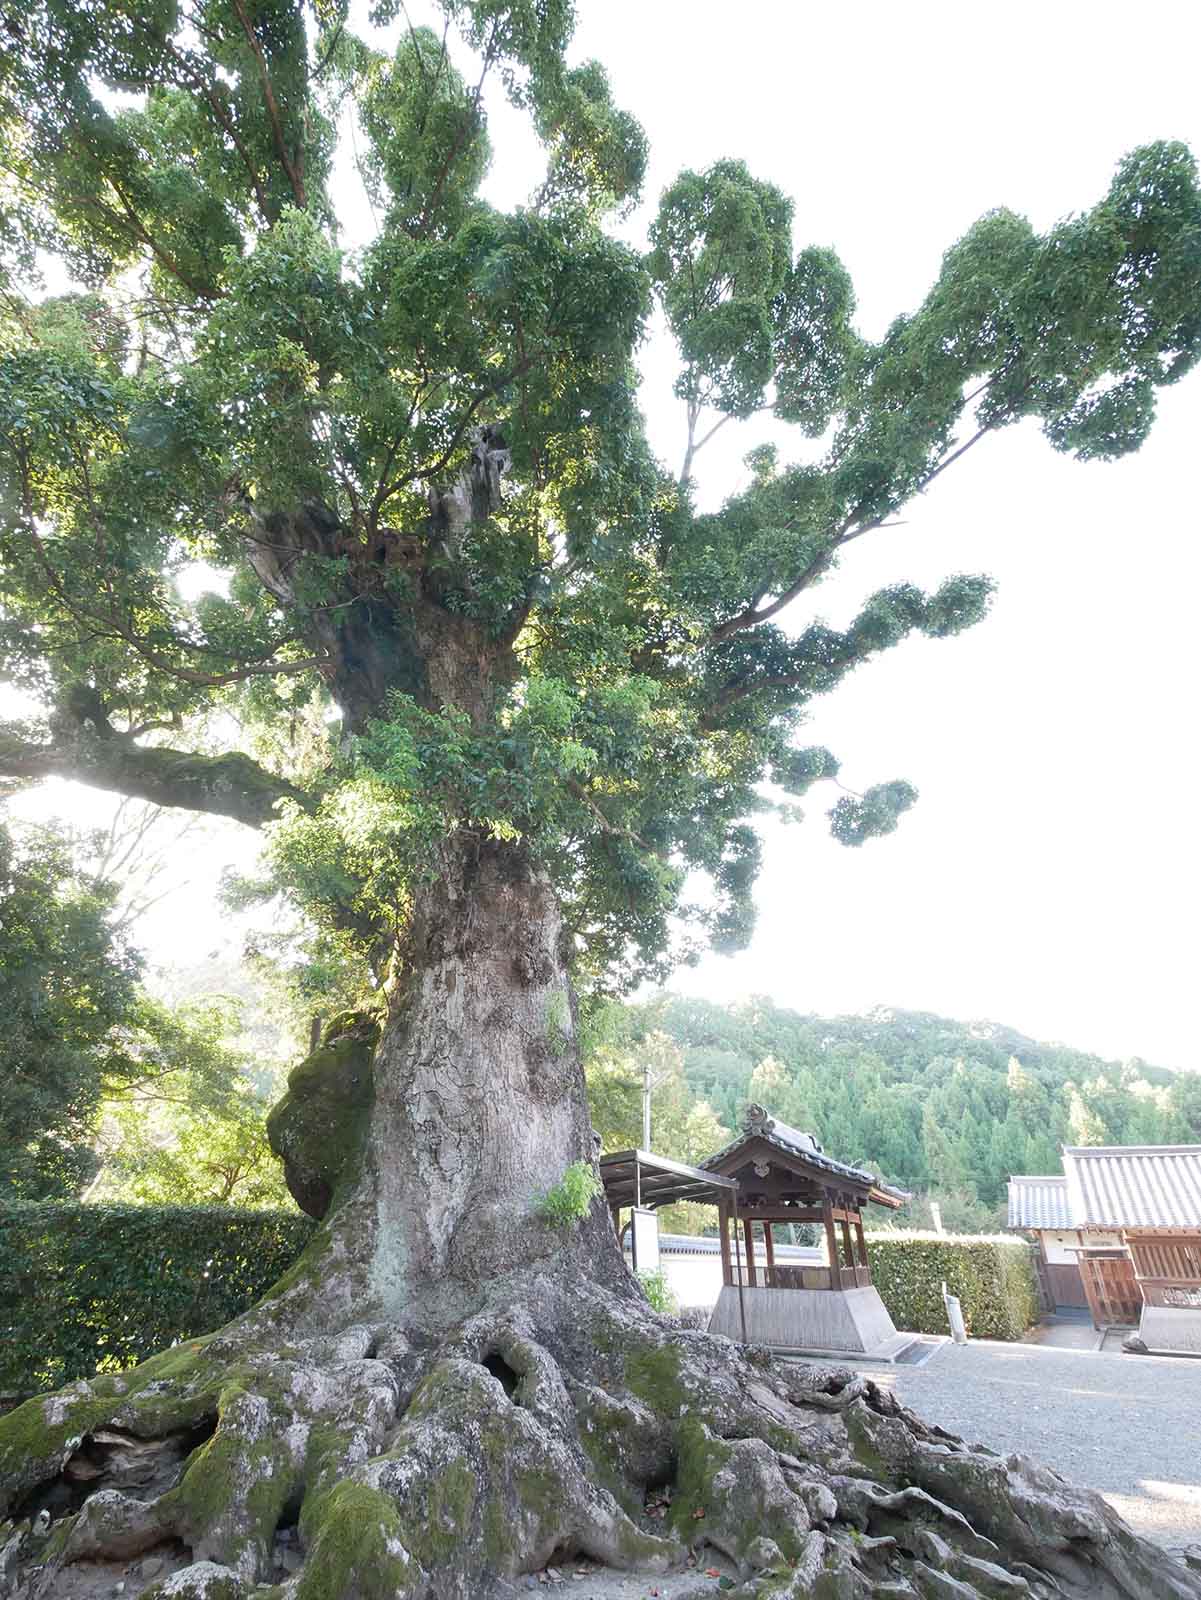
point(1048, 876)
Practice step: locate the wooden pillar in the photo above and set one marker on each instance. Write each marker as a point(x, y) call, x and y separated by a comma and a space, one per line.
point(770, 1249)
point(864, 1262)
point(723, 1228)
point(748, 1237)
point(847, 1246)
point(1090, 1291)
point(831, 1241)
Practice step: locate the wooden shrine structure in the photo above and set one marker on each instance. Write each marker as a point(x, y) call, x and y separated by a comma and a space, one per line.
point(783, 1175)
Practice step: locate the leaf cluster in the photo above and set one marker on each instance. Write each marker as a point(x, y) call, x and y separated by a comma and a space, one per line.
point(568, 1202)
point(244, 472)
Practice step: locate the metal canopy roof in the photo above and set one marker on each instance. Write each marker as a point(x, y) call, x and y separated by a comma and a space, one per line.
point(1134, 1186)
point(1037, 1202)
point(638, 1177)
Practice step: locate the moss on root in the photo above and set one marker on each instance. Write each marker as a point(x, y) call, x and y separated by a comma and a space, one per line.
point(653, 1374)
point(235, 1487)
point(514, 1448)
point(609, 1440)
point(169, 1393)
point(700, 1458)
point(353, 1534)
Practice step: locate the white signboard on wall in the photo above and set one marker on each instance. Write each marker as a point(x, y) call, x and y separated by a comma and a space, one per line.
point(644, 1239)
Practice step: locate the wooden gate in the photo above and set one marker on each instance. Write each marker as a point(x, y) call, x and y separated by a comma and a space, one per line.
point(1065, 1285)
point(1114, 1296)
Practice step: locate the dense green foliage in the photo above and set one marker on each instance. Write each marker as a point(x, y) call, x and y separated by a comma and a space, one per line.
point(67, 994)
point(240, 466)
point(99, 1288)
point(189, 1130)
point(993, 1278)
point(106, 1087)
point(658, 1291)
point(946, 1108)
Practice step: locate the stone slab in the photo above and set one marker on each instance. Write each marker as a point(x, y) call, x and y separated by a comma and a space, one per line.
point(852, 1320)
point(904, 1349)
point(1171, 1328)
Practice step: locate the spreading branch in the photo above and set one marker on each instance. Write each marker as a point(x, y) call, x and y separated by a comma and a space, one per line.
point(291, 167)
point(224, 786)
point(851, 528)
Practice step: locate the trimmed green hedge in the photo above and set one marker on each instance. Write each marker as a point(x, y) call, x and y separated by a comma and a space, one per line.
point(89, 1288)
point(992, 1274)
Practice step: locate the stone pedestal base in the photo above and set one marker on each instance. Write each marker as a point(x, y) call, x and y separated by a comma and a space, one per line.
point(805, 1319)
point(1171, 1328)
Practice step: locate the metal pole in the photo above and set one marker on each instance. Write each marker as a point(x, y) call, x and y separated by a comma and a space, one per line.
point(646, 1104)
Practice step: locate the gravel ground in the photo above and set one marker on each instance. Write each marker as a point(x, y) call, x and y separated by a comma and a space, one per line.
point(1128, 1426)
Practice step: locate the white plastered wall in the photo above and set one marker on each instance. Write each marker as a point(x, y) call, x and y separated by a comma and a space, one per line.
point(1063, 1248)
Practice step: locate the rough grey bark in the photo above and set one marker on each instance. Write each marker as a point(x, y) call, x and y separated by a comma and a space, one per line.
point(560, 1422)
point(480, 1103)
point(434, 1157)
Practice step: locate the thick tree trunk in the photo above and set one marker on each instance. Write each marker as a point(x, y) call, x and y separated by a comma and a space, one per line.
point(479, 1103)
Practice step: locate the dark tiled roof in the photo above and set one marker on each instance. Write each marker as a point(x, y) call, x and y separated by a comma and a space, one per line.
point(1039, 1203)
point(758, 1124)
point(1134, 1186)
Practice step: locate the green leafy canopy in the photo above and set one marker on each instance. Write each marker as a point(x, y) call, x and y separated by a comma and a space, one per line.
point(393, 515)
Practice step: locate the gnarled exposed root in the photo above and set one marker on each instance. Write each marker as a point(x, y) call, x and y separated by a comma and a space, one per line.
point(402, 1464)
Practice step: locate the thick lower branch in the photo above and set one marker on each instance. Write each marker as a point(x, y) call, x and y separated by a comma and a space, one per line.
point(225, 786)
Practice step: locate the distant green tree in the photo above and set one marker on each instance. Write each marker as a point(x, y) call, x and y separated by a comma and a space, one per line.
point(1085, 1124)
point(185, 1126)
point(68, 998)
point(682, 1127)
point(1184, 1099)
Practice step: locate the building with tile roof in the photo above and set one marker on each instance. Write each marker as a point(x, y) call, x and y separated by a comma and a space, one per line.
point(1135, 1186)
point(1036, 1203)
point(1126, 1220)
point(783, 1175)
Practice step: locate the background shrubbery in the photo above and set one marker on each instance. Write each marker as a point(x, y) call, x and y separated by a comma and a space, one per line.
point(87, 1287)
point(993, 1277)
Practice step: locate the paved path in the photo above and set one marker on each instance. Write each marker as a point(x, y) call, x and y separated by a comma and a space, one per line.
point(1128, 1426)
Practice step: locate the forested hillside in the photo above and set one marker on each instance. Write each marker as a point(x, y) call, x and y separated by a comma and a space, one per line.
point(947, 1109)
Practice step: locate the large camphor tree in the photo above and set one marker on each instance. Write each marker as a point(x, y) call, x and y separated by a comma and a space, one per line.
point(502, 693)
